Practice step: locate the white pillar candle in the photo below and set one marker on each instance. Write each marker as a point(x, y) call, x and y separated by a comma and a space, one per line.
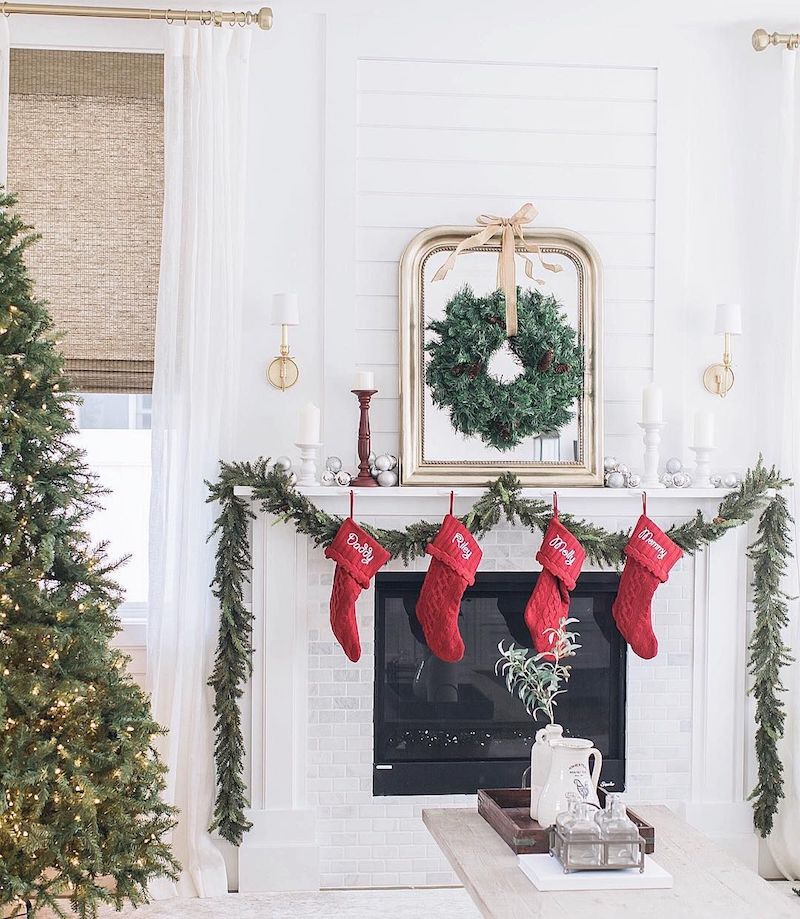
point(652, 404)
point(365, 379)
point(309, 424)
point(703, 430)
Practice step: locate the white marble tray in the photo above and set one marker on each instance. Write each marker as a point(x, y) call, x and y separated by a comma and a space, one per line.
point(546, 873)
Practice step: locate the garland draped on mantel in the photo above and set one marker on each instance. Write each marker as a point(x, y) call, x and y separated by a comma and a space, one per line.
point(274, 492)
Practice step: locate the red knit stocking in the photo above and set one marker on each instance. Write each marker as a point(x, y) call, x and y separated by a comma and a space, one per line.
point(561, 557)
point(650, 556)
point(455, 557)
point(358, 557)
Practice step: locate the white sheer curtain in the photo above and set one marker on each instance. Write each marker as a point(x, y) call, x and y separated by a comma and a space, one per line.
point(784, 842)
point(194, 401)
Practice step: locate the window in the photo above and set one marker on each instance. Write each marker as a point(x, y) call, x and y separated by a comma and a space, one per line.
point(86, 162)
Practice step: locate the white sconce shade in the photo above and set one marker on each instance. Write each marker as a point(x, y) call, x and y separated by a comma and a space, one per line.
point(285, 310)
point(728, 319)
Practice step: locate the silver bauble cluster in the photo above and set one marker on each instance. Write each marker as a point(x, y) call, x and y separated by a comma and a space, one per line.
point(618, 475)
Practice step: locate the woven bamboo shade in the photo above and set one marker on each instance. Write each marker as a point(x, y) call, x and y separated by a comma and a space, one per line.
point(86, 160)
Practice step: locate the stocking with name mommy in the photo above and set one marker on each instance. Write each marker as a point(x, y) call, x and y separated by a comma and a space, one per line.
point(358, 557)
point(561, 557)
point(650, 554)
point(455, 557)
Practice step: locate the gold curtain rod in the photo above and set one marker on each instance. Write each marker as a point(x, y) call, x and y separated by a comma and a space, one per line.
point(763, 39)
point(261, 18)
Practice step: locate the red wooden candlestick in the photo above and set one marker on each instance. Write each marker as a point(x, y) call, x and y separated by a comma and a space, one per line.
point(364, 446)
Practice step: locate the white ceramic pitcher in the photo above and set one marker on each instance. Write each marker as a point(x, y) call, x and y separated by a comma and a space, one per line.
point(541, 757)
point(569, 778)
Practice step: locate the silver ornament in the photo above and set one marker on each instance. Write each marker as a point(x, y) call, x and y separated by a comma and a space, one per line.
point(371, 459)
point(680, 480)
point(283, 463)
point(716, 480)
point(333, 464)
point(731, 480)
point(383, 463)
point(292, 477)
point(343, 478)
point(634, 480)
point(387, 478)
point(373, 472)
point(666, 479)
point(328, 478)
point(392, 460)
point(609, 463)
point(623, 469)
point(615, 480)
point(674, 465)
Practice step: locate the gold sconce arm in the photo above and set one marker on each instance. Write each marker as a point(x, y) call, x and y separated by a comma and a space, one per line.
point(283, 372)
point(718, 379)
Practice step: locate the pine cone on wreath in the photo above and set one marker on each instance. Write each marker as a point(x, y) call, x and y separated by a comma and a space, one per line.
point(474, 369)
point(545, 361)
point(457, 370)
point(562, 368)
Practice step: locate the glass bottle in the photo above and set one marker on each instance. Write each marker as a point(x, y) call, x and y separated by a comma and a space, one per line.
point(580, 835)
point(621, 832)
point(564, 821)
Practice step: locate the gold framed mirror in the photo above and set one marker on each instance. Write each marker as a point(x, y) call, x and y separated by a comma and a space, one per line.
point(433, 451)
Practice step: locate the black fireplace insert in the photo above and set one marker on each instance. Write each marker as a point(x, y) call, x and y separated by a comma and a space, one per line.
point(453, 728)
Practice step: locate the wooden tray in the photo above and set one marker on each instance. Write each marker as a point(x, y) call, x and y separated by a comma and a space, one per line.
point(507, 811)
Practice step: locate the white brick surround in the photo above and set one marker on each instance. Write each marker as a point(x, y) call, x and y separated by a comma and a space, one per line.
point(687, 719)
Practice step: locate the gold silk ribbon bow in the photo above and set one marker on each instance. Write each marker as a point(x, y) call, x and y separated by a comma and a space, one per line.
point(512, 232)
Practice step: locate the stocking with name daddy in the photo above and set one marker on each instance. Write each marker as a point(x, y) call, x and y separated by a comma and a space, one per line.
point(561, 557)
point(650, 554)
point(358, 557)
point(455, 557)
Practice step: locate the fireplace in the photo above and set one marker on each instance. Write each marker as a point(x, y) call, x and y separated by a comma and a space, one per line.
point(453, 728)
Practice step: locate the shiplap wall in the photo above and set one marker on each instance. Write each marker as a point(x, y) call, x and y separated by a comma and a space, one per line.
point(441, 141)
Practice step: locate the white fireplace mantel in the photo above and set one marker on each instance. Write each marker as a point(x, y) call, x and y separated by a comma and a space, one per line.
point(288, 599)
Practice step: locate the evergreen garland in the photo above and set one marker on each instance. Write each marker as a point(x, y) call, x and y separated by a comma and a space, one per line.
point(274, 492)
point(539, 401)
point(80, 780)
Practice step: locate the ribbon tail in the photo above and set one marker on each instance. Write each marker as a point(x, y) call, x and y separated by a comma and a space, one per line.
point(508, 279)
point(535, 250)
point(472, 242)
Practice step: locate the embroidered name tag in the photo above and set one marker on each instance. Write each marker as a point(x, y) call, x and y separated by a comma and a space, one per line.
point(364, 549)
point(647, 537)
point(463, 545)
point(560, 545)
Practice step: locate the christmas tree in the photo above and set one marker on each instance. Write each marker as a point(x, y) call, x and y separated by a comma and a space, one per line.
point(81, 820)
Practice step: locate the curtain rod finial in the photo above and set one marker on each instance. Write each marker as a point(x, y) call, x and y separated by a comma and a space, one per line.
point(265, 18)
point(761, 39)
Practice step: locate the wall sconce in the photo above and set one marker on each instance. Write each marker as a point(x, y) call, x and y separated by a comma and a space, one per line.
point(283, 371)
point(718, 378)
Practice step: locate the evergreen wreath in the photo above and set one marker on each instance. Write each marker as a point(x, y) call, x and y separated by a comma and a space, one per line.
point(503, 414)
point(272, 490)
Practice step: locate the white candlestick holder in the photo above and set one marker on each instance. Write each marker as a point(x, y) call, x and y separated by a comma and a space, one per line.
point(308, 464)
point(652, 440)
point(701, 478)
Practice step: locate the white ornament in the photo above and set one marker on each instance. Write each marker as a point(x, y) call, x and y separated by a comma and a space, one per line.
point(623, 469)
point(634, 480)
point(666, 479)
point(674, 465)
point(371, 459)
point(283, 463)
point(731, 480)
point(680, 480)
point(387, 478)
point(333, 464)
point(716, 480)
point(373, 472)
point(615, 480)
point(328, 478)
point(343, 478)
point(392, 460)
point(383, 463)
point(292, 477)
point(609, 463)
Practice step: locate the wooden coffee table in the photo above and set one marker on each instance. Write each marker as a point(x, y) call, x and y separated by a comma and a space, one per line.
point(708, 883)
